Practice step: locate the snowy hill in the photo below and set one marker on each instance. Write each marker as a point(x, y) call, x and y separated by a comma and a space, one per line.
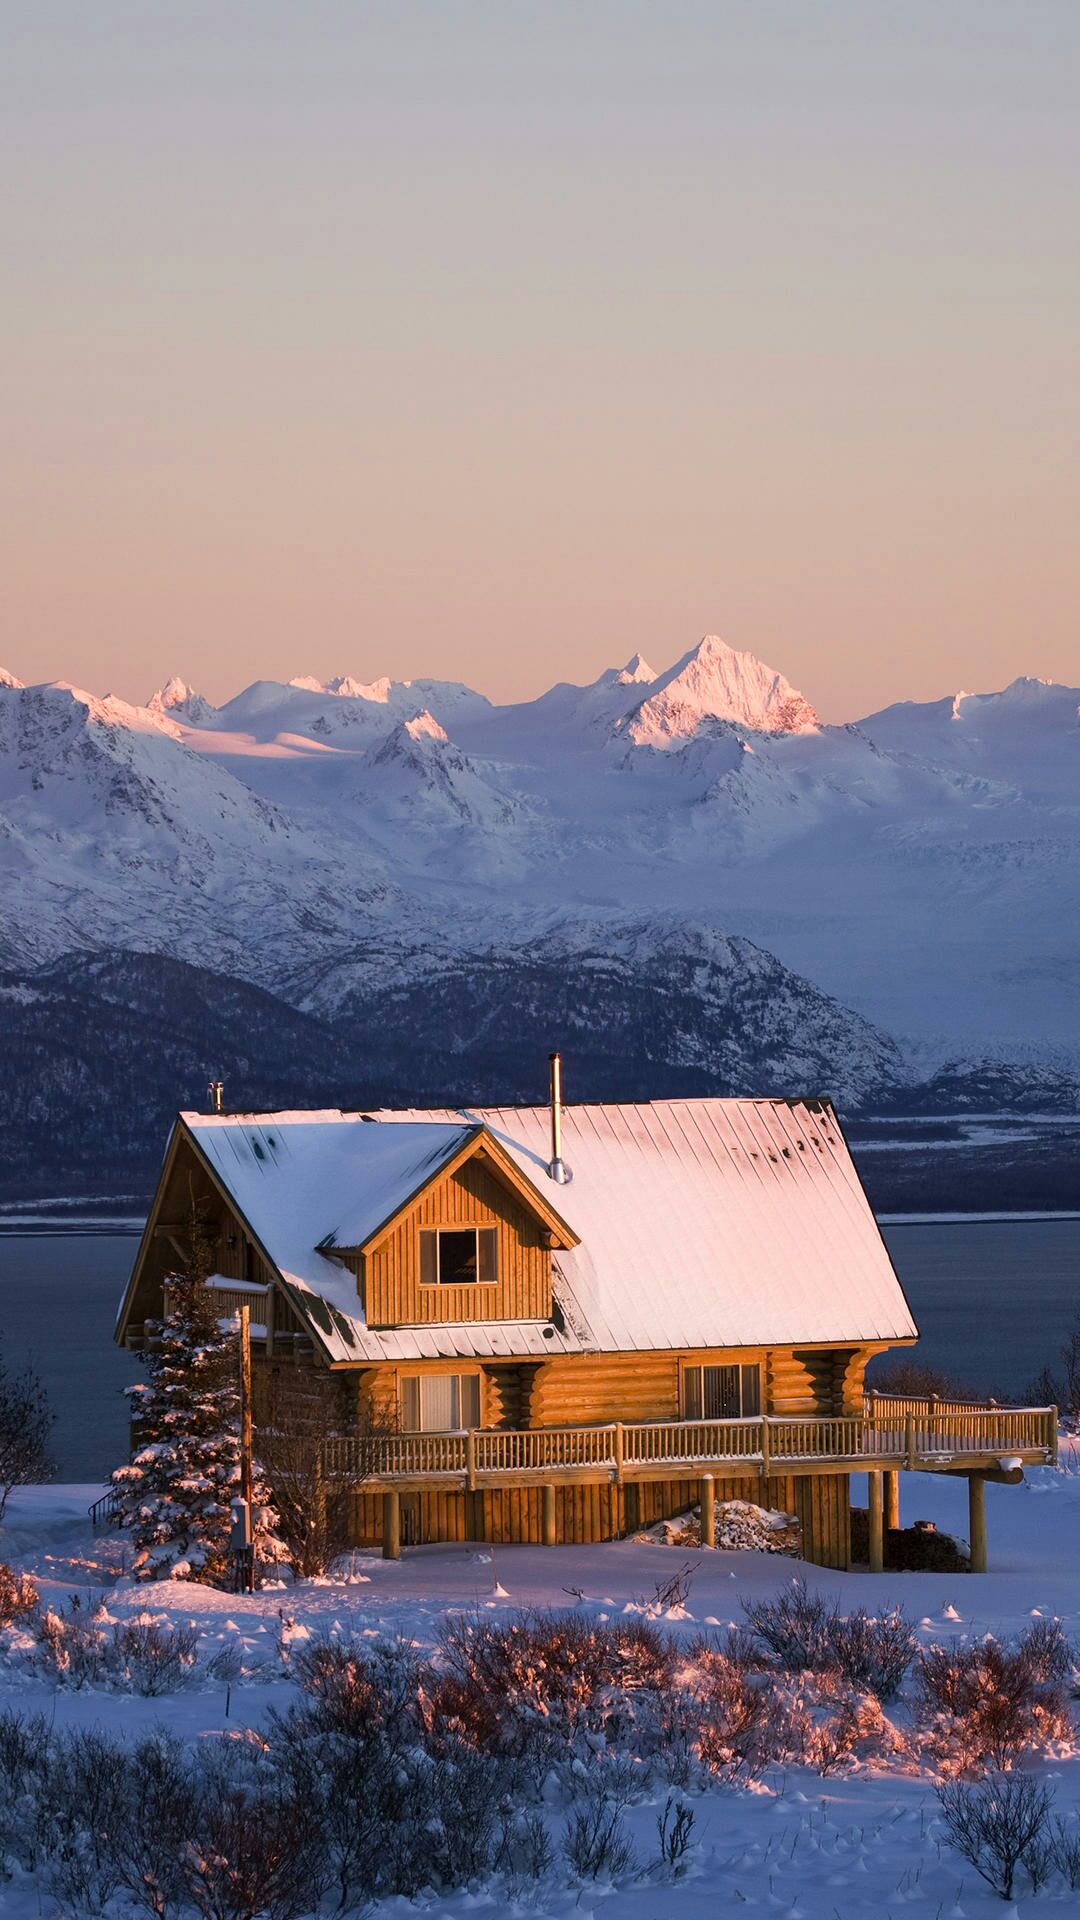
point(918, 870)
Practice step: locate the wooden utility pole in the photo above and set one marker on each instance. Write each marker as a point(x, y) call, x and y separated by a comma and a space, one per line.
point(245, 1433)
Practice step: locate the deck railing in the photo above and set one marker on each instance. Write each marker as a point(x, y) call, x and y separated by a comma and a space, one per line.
point(893, 1433)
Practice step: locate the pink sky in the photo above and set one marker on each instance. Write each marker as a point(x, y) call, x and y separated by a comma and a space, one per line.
point(497, 343)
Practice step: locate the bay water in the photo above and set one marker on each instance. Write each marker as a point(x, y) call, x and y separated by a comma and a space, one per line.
point(994, 1300)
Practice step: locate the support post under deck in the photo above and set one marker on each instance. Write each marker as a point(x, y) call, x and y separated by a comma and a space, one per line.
point(977, 1521)
point(708, 1510)
point(547, 1514)
point(892, 1501)
point(391, 1526)
point(874, 1516)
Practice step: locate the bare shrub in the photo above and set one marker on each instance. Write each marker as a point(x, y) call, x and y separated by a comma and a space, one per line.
point(804, 1633)
point(918, 1381)
point(596, 1843)
point(25, 1743)
point(156, 1825)
point(150, 1658)
point(253, 1848)
point(1065, 1841)
point(674, 1591)
point(675, 1833)
point(525, 1851)
point(18, 1597)
point(84, 1802)
point(987, 1704)
point(294, 1419)
point(995, 1824)
point(25, 1425)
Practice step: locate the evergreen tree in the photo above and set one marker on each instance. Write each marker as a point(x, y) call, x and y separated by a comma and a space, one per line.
point(176, 1493)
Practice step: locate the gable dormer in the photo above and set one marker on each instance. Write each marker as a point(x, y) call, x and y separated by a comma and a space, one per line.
point(475, 1243)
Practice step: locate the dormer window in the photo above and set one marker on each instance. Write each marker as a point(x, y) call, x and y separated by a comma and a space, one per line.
point(458, 1256)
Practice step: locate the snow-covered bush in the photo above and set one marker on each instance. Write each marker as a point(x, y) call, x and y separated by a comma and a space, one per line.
point(999, 1824)
point(18, 1597)
point(83, 1648)
point(175, 1494)
point(804, 1633)
point(364, 1689)
point(503, 1682)
point(985, 1705)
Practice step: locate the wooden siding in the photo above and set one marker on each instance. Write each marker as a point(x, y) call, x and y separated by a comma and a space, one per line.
point(822, 1503)
point(474, 1196)
point(582, 1514)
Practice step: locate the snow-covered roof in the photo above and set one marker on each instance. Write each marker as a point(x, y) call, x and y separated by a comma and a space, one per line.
point(702, 1223)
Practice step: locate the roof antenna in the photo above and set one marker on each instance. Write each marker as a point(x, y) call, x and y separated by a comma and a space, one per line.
point(556, 1168)
point(216, 1090)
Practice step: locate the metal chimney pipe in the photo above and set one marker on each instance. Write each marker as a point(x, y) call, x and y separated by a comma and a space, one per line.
point(556, 1169)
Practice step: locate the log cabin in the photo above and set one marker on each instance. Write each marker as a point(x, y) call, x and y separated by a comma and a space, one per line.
point(567, 1323)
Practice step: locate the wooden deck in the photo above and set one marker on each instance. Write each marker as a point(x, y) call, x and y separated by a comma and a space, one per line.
point(919, 1435)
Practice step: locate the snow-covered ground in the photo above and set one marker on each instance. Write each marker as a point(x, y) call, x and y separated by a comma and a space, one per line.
point(855, 1845)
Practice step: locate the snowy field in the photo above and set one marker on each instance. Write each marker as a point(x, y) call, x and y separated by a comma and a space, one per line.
point(865, 1841)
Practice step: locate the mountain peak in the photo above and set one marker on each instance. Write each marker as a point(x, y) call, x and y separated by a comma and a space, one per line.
point(715, 681)
point(423, 726)
point(8, 680)
point(637, 672)
point(177, 700)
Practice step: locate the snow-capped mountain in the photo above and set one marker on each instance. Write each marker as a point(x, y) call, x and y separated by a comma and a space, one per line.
point(716, 682)
point(328, 839)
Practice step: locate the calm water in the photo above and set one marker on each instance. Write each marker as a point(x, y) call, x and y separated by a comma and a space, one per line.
point(993, 1301)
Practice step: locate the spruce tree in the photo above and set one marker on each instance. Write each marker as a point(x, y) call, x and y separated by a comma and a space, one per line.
point(175, 1495)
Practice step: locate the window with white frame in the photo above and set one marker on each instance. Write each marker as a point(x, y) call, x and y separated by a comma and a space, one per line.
point(721, 1393)
point(458, 1256)
point(440, 1402)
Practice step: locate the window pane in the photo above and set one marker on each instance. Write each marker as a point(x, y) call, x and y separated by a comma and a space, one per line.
point(457, 1257)
point(751, 1392)
point(720, 1393)
point(488, 1243)
point(438, 1402)
point(410, 1405)
point(692, 1393)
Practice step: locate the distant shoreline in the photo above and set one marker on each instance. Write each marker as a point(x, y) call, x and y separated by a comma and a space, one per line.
point(40, 1225)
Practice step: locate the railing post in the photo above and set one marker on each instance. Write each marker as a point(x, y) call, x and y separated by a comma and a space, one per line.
point(766, 1462)
point(618, 1452)
point(470, 1459)
point(909, 1440)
